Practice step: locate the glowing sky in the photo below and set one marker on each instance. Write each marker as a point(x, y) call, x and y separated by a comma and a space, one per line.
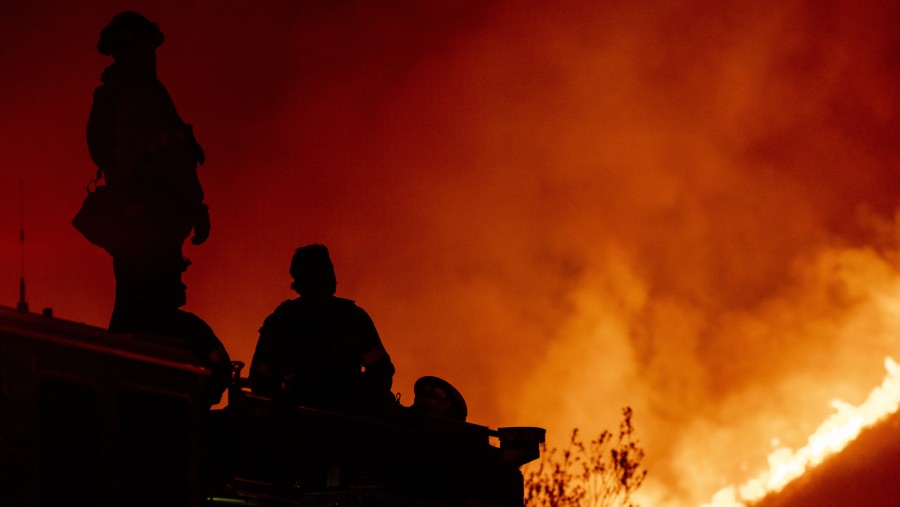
point(685, 207)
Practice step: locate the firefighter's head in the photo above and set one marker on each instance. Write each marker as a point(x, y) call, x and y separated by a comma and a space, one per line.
point(129, 33)
point(313, 272)
point(436, 396)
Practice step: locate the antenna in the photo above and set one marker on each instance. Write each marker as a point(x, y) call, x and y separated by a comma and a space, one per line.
point(23, 304)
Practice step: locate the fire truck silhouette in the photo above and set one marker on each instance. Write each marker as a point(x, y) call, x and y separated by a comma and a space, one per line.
point(94, 418)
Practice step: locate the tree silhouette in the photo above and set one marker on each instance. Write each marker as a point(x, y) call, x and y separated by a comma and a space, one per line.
point(603, 473)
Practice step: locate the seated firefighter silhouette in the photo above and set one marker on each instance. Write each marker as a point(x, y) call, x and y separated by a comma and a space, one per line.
point(320, 350)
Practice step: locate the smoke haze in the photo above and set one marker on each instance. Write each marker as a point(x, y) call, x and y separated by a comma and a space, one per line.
point(685, 207)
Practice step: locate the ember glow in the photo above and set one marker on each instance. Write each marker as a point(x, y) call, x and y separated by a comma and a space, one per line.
point(831, 437)
point(686, 207)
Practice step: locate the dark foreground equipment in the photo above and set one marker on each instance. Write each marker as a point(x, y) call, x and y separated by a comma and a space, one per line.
point(94, 418)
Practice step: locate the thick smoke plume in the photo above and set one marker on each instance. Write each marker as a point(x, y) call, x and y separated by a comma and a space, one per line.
point(685, 207)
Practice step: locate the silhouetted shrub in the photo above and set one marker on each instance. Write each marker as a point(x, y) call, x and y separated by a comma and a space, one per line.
point(603, 473)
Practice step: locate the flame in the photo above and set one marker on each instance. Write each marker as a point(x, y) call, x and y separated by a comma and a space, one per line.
point(841, 428)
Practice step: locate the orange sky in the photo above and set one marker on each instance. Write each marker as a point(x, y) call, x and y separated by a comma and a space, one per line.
point(686, 207)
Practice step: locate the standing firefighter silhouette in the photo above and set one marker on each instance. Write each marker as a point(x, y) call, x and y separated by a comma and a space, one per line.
point(148, 157)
